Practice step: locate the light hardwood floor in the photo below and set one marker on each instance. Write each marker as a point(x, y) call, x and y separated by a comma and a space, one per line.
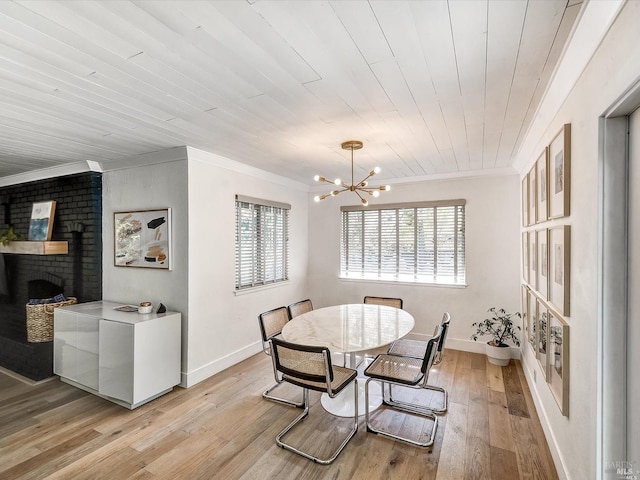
point(223, 428)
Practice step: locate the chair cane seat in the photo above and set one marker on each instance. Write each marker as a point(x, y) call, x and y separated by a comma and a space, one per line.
point(408, 348)
point(398, 369)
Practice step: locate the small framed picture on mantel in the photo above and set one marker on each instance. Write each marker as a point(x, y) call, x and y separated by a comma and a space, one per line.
point(41, 224)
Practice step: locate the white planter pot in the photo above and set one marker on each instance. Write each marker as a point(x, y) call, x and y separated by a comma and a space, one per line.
point(498, 355)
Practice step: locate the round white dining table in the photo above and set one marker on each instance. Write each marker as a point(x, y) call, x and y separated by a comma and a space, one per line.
point(349, 329)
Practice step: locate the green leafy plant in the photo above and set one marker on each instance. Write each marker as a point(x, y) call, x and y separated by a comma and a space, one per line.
point(499, 326)
point(9, 235)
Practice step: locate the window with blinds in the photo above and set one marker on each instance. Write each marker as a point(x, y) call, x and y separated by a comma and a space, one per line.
point(422, 243)
point(262, 236)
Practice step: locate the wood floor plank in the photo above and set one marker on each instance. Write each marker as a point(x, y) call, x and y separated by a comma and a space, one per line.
point(495, 381)
point(513, 391)
point(504, 464)
point(454, 444)
point(459, 392)
point(478, 361)
point(478, 452)
point(500, 435)
point(222, 428)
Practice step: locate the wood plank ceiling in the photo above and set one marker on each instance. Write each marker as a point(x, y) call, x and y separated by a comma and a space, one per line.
point(430, 87)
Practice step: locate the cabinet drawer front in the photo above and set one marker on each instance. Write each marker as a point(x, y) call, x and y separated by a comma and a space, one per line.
point(116, 360)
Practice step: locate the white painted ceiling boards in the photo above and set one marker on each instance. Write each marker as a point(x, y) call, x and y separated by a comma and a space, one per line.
point(431, 87)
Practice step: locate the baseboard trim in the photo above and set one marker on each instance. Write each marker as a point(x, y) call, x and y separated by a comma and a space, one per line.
point(464, 345)
point(189, 379)
point(558, 459)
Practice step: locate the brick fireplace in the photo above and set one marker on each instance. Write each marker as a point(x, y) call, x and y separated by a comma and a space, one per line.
point(78, 220)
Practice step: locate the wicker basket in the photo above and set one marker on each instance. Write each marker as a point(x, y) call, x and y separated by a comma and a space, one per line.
point(40, 320)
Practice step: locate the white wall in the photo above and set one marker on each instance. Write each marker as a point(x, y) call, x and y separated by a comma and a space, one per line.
point(219, 328)
point(612, 70)
point(143, 187)
point(223, 327)
point(492, 254)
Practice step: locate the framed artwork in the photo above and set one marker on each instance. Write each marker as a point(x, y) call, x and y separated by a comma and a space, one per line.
point(559, 268)
point(542, 339)
point(143, 239)
point(560, 173)
point(542, 243)
point(524, 309)
point(532, 195)
point(542, 177)
point(525, 201)
point(525, 256)
point(532, 325)
point(558, 376)
point(41, 224)
point(533, 260)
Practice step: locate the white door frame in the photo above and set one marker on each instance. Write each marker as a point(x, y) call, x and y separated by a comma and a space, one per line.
point(611, 447)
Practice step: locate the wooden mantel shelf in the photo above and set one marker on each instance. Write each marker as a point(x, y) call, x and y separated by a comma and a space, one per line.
point(33, 247)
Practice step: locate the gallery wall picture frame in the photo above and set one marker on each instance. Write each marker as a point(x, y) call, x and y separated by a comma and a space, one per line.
point(542, 182)
point(560, 268)
point(558, 377)
point(542, 337)
point(525, 256)
point(533, 322)
point(524, 306)
point(525, 201)
point(41, 223)
point(533, 260)
point(142, 238)
point(532, 189)
point(542, 244)
point(559, 186)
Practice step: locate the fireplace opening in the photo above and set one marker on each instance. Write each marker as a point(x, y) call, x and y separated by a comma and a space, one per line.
point(44, 285)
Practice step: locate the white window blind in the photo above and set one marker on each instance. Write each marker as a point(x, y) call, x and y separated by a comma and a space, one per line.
point(422, 242)
point(262, 236)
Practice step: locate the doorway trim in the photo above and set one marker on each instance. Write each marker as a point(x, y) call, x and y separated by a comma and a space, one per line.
point(611, 425)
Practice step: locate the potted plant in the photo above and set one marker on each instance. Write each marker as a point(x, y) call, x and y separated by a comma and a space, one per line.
point(501, 328)
point(9, 235)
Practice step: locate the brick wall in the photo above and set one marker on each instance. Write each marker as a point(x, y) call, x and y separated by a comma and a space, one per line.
point(78, 207)
point(78, 220)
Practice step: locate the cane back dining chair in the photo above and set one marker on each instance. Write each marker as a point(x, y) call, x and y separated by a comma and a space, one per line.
point(298, 308)
point(404, 372)
point(310, 367)
point(389, 302)
point(271, 324)
point(405, 347)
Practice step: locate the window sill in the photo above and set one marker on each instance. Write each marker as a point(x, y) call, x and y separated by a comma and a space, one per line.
point(260, 288)
point(402, 282)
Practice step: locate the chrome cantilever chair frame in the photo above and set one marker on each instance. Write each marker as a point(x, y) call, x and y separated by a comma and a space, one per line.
point(416, 348)
point(289, 359)
point(407, 372)
point(298, 308)
point(271, 323)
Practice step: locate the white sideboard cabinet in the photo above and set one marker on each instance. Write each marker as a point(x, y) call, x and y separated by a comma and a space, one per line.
point(125, 357)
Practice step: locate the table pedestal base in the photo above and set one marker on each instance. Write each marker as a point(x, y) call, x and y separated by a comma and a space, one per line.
point(342, 404)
